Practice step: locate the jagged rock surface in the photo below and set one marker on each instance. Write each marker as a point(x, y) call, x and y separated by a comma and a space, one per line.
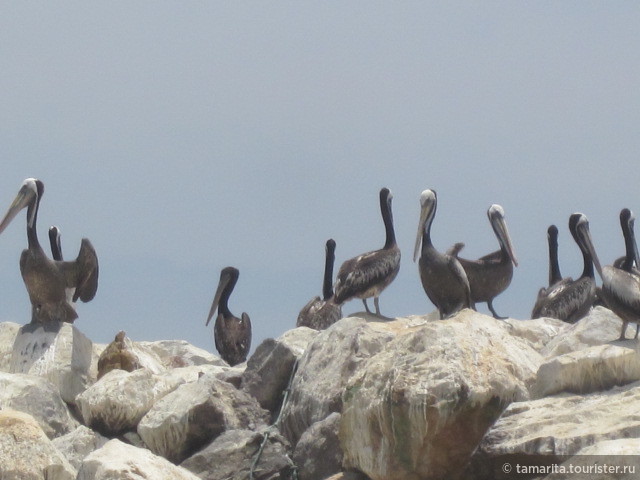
point(79, 443)
point(8, 334)
point(318, 454)
point(180, 353)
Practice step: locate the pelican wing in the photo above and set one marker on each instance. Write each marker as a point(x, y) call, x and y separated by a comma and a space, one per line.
point(361, 273)
point(621, 287)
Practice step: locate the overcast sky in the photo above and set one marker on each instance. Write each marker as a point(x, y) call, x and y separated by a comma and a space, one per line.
point(184, 137)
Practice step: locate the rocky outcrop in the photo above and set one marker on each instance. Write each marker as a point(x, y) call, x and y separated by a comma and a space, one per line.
point(27, 453)
point(124, 354)
point(179, 353)
point(318, 454)
point(8, 333)
point(79, 443)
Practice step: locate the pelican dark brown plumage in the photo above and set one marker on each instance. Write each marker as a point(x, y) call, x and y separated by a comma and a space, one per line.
point(232, 335)
point(367, 275)
point(570, 300)
point(621, 285)
point(55, 242)
point(490, 275)
point(443, 278)
point(53, 286)
point(320, 313)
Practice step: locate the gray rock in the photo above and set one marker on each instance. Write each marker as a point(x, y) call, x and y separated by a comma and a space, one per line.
point(8, 333)
point(26, 453)
point(538, 333)
point(118, 461)
point(232, 454)
point(180, 353)
point(269, 369)
point(125, 354)
point(79, 443)
point(194, 414)
point(39, 398)
point(318, 454)
point(56, 351)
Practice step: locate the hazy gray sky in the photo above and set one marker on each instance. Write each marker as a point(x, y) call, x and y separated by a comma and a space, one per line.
point(184, 137)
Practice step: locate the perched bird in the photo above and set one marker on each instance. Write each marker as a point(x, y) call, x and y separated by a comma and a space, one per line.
point(621, 285)
point(321, 313)
point(232, 335)
point(490, 275)
point(443, 278)
point(570, 300)
point(367, 275)
point(53, 286)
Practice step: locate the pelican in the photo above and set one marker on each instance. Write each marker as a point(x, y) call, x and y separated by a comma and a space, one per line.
point(621, 285)
point(367, 275)
point(490, 275)
point(232, 335)
point(54, 240)
point(443, 278)
point(53, 286)
point(321, 313)
point(556, 282)
point(570, 300)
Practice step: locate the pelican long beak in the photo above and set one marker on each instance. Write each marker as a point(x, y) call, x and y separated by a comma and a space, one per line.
point(222, 284)
point(424, 214)
point(496, 217)
point(25, 196)
point(582, 228)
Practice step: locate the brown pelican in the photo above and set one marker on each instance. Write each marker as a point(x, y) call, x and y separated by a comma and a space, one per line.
point(490, 275)
point(53, 286)
point(54, 240)
point(621, 286)
point(570, 300)
point(556, 282)
point(321, 313)
point(443, 278)
point(232, 335)
point(367, 275)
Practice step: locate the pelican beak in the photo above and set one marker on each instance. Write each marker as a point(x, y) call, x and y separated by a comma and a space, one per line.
point(582, 228)
point(25, 196)
point(424, 215)
point(496, 217)
point(222, 284)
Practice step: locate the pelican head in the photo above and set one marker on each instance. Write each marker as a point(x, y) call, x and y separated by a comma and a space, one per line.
point(627, 221)
point(499, 225)
point(228, 278)
point(29, 193)
point(428, 204)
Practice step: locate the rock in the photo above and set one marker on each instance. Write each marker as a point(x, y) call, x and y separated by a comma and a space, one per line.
point(79, 443)
point(117, 460)
point(231, 455)
point(600, 326)
point(419, 408)
point(557, 426)
point(537, 332)
point(123, 354)
point(26, 453)
point(180, 353)
point(589, 370)
point(328, 363)
point(269, 369)
point(8, 333)
point(39, 398)
point(348, 476)
point(57, 351)
point(117, 402)
point(194, 414)
point(318, 454)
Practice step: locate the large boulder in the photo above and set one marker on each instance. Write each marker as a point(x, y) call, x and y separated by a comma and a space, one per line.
point(8, 333)
point(26, 453)
point(538, 333)
point(187, 419)
point(57, 351)
point(180, 353)
point(39, 398)
point(270, 368)
point(124, 354)
point(119, 461)
point(419, 407)
point(318, 454)
point(233, 454)
point(117, 402)
point(79, 443)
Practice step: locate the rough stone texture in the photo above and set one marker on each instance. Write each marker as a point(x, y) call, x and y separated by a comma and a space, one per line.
point(39, 398)
point(537, 332)
point(559, 425)
point(57, 351)
point(117, 402)
point(348, 476)
point(269, 368)
point(328, 363)
point(124, 354)
point(26, 453)
point(318, 454)
point(118, 461)
point(8, 333)
point(180, 353)
point(600, 326)
point(231, 455)
point(194, 414)
point(79, 443)
point(418, 409)
point(589, 370)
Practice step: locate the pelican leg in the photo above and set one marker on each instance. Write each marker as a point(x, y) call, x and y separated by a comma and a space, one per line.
point(495, 315)
point(375, 302)
point(364, 300)
point(637, 330)
point(624, 329)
